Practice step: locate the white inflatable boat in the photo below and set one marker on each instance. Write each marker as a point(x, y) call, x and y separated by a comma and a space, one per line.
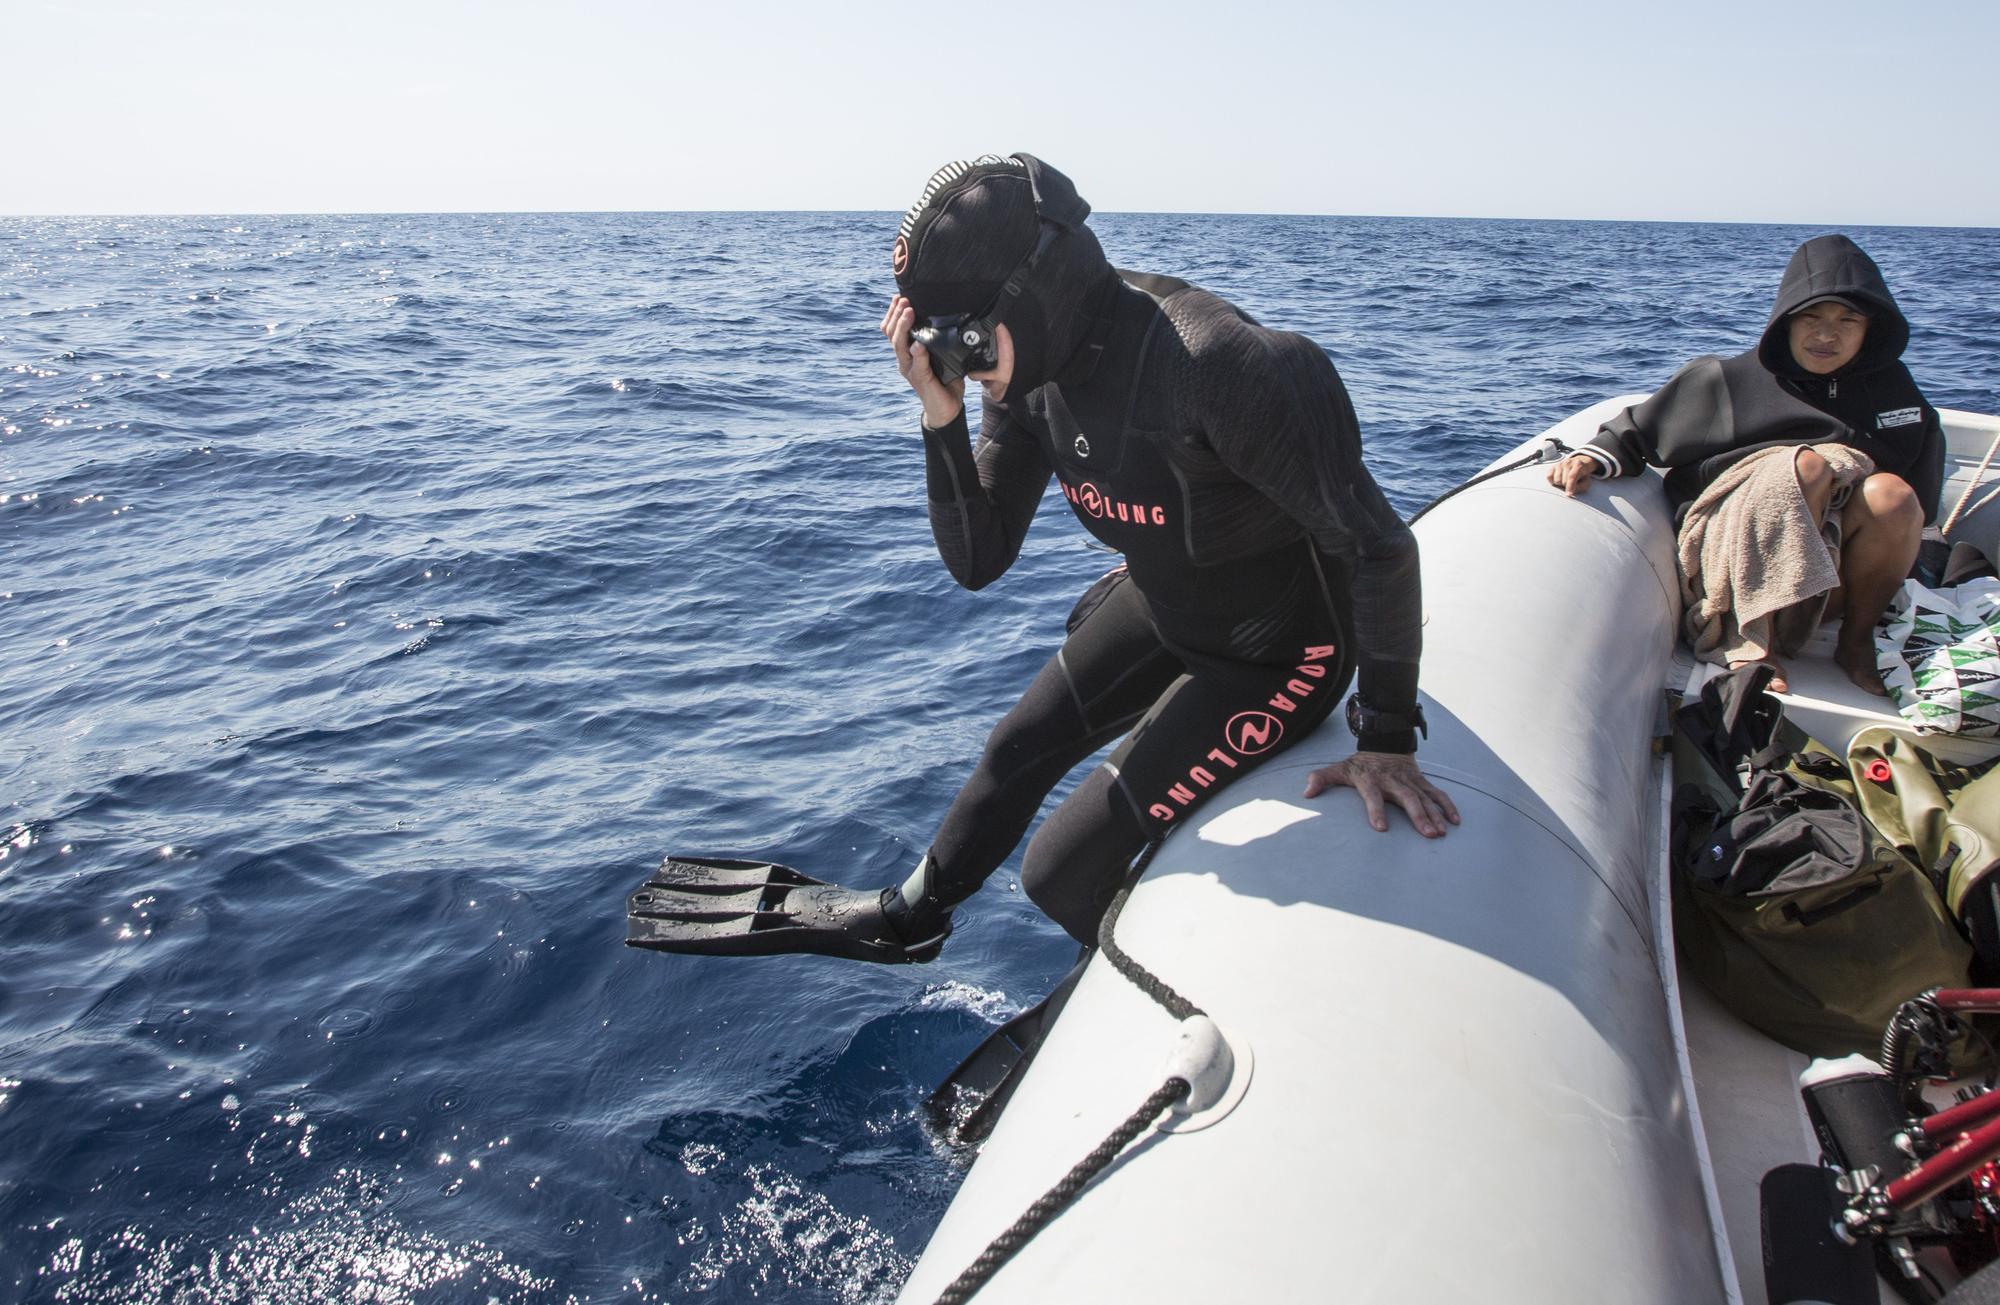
point(1463, 1069)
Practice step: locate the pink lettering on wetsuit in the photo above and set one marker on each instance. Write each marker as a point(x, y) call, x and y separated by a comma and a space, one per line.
point(1093, 503)
point(1247, 734)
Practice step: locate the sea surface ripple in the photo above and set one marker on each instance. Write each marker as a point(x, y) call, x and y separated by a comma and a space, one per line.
point(381, 596)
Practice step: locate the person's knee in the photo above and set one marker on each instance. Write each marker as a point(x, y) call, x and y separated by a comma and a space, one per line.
point(1075, 864)
point(1815, 480)
point(1890, 501)
point(1004, 748)
point(1814, 473)
point(1039, 882)
point(1067, 899)
point(1017, 739)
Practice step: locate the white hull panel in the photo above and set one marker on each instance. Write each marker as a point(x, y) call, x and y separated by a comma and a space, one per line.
point(1465, 1081)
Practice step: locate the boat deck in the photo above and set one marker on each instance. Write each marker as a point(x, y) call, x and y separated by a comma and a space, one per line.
point(1744, 1085)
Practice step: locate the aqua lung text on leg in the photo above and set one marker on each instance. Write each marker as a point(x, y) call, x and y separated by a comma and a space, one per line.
point(1247, 734)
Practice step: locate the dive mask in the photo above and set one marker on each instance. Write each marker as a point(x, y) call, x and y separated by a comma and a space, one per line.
point(958, 344)
point(964, 342)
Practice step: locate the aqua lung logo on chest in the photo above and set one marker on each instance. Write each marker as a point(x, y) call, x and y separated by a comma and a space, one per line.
point(1248, 734)
point(1899, 417)
point(1098, 506)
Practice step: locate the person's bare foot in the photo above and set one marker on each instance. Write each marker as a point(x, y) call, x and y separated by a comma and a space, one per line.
point(1779, 684)
point(1859, 663)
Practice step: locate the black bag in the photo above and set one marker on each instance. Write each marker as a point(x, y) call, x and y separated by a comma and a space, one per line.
point(1788, 905)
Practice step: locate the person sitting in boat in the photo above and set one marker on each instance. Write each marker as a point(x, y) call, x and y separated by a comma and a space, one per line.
point(1263, 565)
point(1802, 472)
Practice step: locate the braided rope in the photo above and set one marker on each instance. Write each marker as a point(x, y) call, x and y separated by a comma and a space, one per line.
point(1142, 978)
point(1052, 1202)
point(1977, 477)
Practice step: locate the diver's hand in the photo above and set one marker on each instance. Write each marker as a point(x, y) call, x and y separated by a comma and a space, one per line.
point(942, 403)
point(1394, 776)
point(1574, 473)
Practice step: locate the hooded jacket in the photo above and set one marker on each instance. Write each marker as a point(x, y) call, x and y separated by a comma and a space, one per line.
point(1716, 411)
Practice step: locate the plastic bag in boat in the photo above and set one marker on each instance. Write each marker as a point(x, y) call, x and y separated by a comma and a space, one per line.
point(1938, 651)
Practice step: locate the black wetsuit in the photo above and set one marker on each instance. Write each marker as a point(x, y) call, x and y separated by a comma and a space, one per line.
point(1223, 460)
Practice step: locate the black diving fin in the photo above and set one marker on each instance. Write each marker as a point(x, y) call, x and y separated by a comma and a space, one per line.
point(967, 1104)
point(712, 906)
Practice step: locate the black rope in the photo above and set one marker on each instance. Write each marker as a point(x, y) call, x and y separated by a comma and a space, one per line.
point(1142, 978)
point(1543, 454)
point(1056, 1198)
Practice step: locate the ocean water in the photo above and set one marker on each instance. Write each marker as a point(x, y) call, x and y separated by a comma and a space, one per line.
point(380, 597)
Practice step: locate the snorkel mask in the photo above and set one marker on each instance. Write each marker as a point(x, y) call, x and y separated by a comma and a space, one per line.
point(967, 254)
point(963, 342)
point(958, 344)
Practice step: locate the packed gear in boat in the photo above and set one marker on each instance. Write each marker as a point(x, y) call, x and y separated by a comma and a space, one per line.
point(1945, 817)
point(1905, 1186)
point(1790, 906)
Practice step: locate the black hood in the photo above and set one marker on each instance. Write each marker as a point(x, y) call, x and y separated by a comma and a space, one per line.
point(963, 245)
point(1835, 265)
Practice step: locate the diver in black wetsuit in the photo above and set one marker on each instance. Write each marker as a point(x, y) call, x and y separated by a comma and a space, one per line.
point(1263, 567)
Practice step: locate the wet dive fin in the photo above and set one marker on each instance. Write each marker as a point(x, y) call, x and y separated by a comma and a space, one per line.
point(712, 906)
point(968, 1103)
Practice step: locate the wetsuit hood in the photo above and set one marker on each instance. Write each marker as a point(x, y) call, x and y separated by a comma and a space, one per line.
point(1007, 235)
point(1834, 267)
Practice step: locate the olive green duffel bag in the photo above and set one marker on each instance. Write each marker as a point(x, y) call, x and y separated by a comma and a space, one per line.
point(1789, 905)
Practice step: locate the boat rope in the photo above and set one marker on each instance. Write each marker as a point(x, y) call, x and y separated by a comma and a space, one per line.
point(1554, 450)
point(1058, 1198)
point(1142, 978)
point(1977, 477)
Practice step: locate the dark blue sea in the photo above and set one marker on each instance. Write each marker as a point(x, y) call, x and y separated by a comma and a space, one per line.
point(380, 597)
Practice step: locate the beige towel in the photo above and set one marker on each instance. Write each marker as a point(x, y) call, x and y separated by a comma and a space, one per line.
point(1751, 558)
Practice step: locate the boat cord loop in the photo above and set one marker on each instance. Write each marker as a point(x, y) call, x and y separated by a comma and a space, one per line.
point(1142, 978)
point(1058, 1198)
point(1553, 450)
point(1978, 479)
point(1168, 1094)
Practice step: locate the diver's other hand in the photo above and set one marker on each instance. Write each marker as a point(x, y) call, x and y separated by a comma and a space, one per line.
point(942, 403)
point(1574, 473)
point(1383, 777)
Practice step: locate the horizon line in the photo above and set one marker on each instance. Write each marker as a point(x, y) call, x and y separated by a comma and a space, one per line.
point(890, 214)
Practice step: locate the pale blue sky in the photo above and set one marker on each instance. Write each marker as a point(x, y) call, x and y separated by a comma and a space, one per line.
point(1829, 113)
